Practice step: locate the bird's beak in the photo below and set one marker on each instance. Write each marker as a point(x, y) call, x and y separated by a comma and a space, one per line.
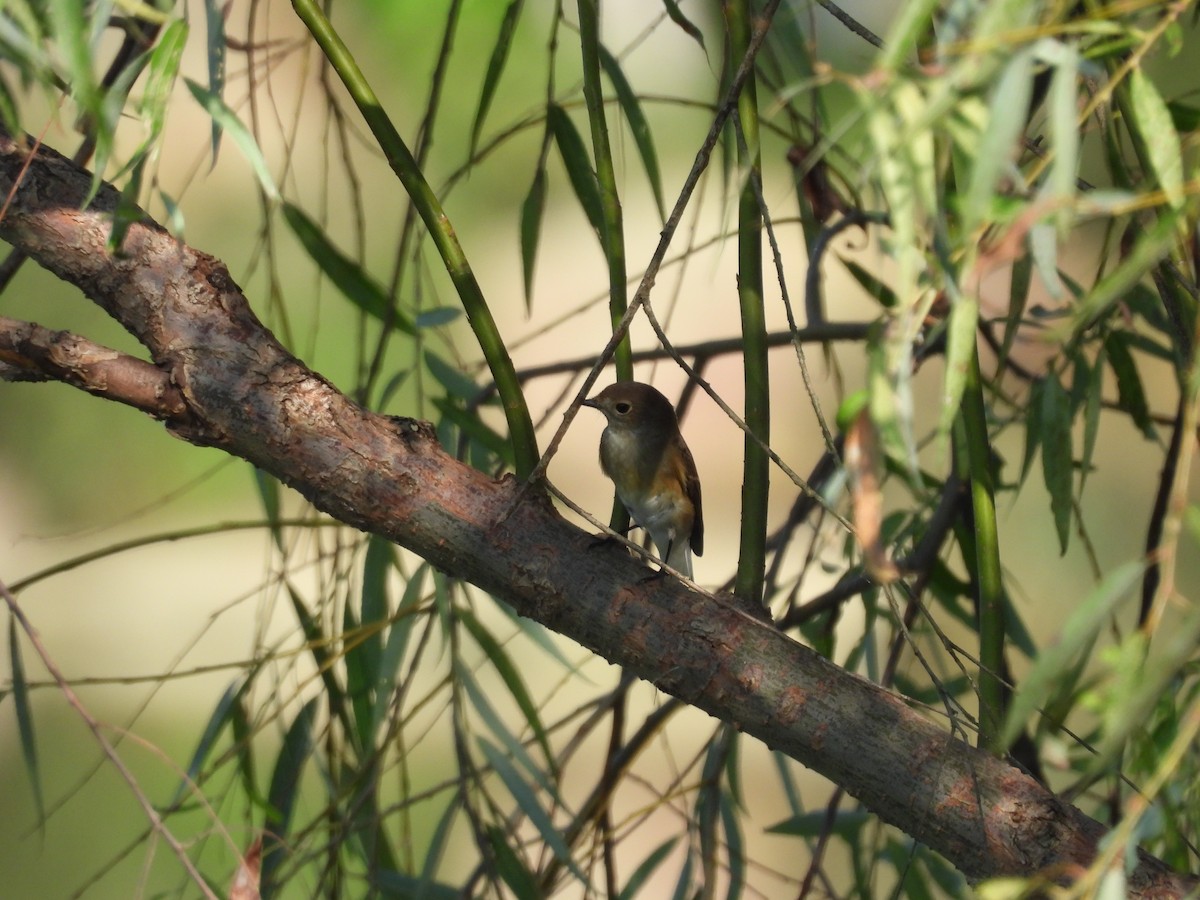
point(592, 403)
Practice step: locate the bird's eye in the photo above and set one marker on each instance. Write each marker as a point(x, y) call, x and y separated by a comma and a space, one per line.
point(623, 408)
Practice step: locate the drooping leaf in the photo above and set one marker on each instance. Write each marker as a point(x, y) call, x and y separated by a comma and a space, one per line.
point(578, 164)
point(527, 801)
point(222, 715)
point(631, 107)
point(512, 869)
point(227, 120)
point(532, 211)
point(646, 869)
point(1057, 455)
point(285, 787)
point(347, 276)
point(997, 146)
point(512, 680)
point(1078, 634)
point(1131, 396)
point(25, 729)
point(499, 57)
point(215, 46)
point(1158, 134)
point(960, 357)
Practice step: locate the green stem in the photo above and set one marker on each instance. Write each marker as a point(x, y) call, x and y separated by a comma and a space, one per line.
point(520, 425)
point(614, 229)
point(752, 550)
point(989, 582)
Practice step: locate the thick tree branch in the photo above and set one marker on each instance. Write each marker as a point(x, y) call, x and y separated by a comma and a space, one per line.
point(246, 394)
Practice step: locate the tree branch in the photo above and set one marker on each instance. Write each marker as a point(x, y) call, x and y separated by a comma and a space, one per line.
point(246, 394)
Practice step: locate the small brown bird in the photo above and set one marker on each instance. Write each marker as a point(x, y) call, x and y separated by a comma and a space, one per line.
point(643, 452)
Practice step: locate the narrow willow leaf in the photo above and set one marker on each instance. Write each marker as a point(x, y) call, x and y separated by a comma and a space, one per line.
point(525, 799)
point(646, 869)
point(380, 558)
point(912, 23)
point(221, 716)
point(1158, 134)
point(397, 884)
point(512, 869)
point(643, 138)
point(347, 276)
point(874, 286)
point(1078, 634)
point(1057, 469)
point(783, 770)
point(215, 46)
point(394, 649)
point(1155, 243)
point(1064, 128)
point(492, 719)
point(449, 376)
point(1007, 111)
point(68, 22)
point(512, 680)
point(491, 80)
point(476, 430)
point(1018, 297)
point(437, 849)
point(127, 212)
point(960, 358)
point(1131, 396)
point(1091, 416)
point(227, 120)
point(20, 694)
point(437, 317)
point(268, 495)
point(285, 787)
point(683, 886)
point(846, 824)
point(162, 71)
point(735, 846)
point(675, 14)
point(533, 209)
point(578, 164)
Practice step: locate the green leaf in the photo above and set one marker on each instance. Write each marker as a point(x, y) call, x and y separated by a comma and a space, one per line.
point(215, 45)
point(994, 156)
point(578, 164)
point(402, 887)
point(846, 824)
point(347, 276)
point(1091, 415)
point(532, 211)
point(1131, 396)
point(1158, 134)
point(268, 495)
point(512, 680)
point(1057, 455)
point(513, 871)
point(394, 649)
point(162, 72)
point(1078, 634)
point(451, 377)
point(495, 69)
point(638, 126)
point(735, 846)
point(874, 286)
point(438, 316)
point(227, 120)
point(647, 867)
point(20, 694)
point(960, 358)
point(221, 716)
point(529, 805)
point(1064, 127)
point(285, 787)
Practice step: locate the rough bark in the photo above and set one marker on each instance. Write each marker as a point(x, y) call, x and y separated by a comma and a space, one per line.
point(223, 380)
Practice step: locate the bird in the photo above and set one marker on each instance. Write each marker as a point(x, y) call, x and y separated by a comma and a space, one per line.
point(642, 450)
